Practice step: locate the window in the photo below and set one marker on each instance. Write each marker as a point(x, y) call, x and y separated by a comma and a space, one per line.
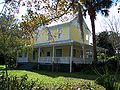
point(87, 38)
point(81, 53)
point(60, 32)
point(34, 55)
point(25, 54)
point(59, 35)
point(58, 52)
point(48, 54)
point(20, 54)
point(74, 52)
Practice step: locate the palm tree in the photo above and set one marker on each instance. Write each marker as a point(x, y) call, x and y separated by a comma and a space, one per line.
point(93, 7)
point(80, 19)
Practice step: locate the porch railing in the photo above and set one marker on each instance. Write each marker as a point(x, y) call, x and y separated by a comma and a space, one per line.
point(21, 59)
point(62, 60)
point(82, 61)
point(44, 60)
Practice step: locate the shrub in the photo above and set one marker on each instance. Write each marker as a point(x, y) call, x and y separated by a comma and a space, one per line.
point(108, 81)
point(13, 82)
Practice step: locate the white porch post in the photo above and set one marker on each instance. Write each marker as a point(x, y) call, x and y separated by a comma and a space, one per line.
point(71, 57)
point(38, 56)
point(53, 58)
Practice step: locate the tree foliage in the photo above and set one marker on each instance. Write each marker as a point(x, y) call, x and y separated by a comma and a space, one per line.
point(12, 38)
point(103, 40)
point(30, 24)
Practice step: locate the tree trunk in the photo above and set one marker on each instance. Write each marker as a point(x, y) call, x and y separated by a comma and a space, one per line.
point(94, 38)
point(80, 19)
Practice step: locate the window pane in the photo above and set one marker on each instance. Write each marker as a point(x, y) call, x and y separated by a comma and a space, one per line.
point(74, 52)
point(33, 54)
point(20, 54)
point(48, 54)
point(25, 54)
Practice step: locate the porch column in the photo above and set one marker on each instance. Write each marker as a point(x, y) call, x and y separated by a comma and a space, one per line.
point(71, 57)
point(38, 56)
point(53, 58)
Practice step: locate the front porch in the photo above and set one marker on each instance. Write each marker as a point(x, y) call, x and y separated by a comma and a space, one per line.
point(59, 54)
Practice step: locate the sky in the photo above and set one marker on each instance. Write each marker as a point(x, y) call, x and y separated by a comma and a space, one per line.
point(99, 22)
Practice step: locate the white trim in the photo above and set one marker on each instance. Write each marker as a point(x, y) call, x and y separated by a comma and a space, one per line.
point(71, 57)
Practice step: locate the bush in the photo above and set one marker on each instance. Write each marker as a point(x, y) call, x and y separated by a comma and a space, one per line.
point(15, 83)
point(108, 81)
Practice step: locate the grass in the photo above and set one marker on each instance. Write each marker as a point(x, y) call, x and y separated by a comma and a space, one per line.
point(2, 67)
point(57, 78)
point(49, 78)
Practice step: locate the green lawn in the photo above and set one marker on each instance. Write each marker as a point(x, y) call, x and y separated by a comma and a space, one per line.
point(2, 67)
point(57, 78)
point(49, 78)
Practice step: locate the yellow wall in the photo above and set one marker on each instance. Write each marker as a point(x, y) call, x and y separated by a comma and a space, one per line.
point(73, 27)
point(43, 34)
point(66, 51)
point(75, 33)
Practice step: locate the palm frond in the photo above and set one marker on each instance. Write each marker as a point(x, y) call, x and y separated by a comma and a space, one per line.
point(100, 4)
point(105, 12)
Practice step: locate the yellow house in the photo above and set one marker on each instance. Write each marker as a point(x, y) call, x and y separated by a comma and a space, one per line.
point(60, 46)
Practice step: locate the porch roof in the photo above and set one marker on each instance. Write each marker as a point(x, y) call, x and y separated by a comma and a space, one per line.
point(60, 42)
point(66, 42)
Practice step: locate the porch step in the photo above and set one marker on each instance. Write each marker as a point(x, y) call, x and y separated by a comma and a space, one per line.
point(28, 66)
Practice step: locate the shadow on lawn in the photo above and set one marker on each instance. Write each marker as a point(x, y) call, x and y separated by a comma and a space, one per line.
point(69, 75)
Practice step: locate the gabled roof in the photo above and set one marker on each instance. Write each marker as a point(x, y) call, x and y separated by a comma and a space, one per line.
point(67, 22)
